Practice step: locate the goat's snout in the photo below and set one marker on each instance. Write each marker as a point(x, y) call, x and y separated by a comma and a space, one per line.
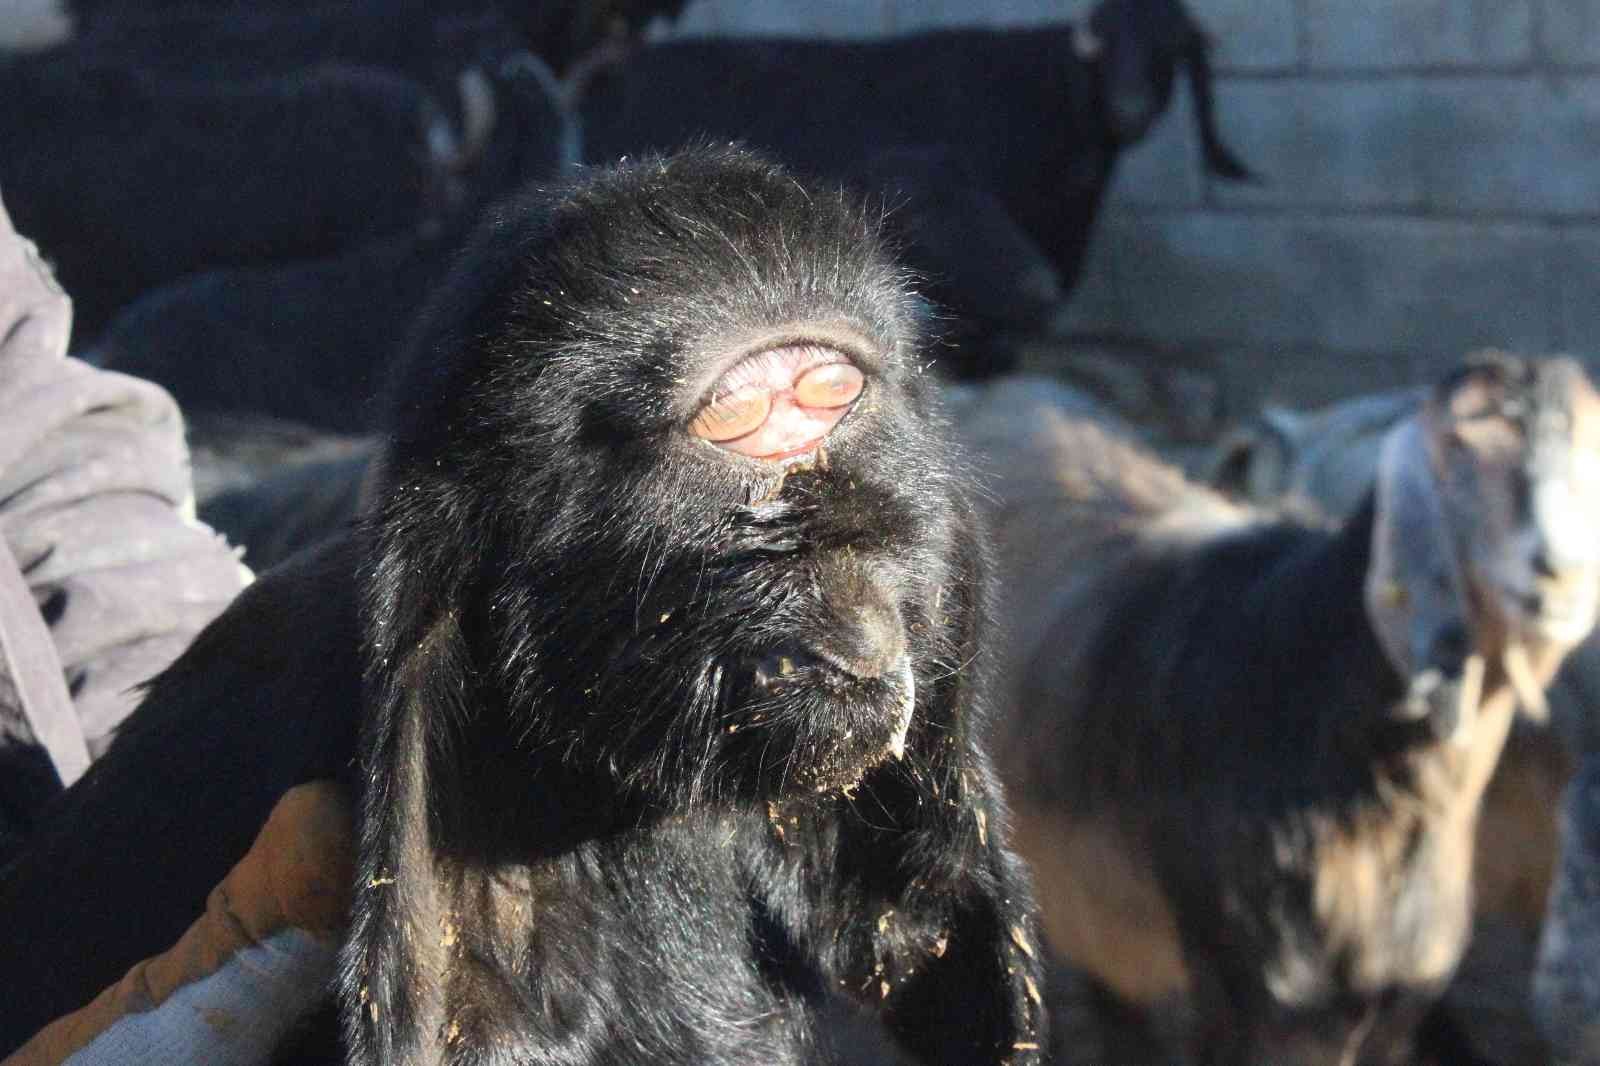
point(1550, 577)
point(869, 646)
point(860, 656)
point(869, 643)
point(1564, 536)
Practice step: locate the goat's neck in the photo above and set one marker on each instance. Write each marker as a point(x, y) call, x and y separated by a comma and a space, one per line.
point(1056, 189)
point(1456, 770)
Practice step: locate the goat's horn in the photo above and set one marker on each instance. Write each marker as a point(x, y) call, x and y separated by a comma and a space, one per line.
point(1519, 671)
point(1086, 44)
point(1220, 160)
point(478, 115)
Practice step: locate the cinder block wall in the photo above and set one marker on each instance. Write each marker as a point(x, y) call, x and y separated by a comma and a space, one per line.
point(1431, 184)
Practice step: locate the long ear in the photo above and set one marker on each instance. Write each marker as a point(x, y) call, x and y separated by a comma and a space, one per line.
point(1219, 159)
point(416, 676)
point(1415, 590)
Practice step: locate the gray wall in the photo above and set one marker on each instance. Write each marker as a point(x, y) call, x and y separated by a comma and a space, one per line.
point(1431, 186)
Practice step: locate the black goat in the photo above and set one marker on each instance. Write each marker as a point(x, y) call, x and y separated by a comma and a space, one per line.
point(212, 42)
point(559, 31)
point(308, 341)
point(1037, 116)
point(132, 180)
point(305, 342)
point(1247, 752)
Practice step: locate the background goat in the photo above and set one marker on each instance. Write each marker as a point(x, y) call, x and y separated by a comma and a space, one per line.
point(1246, 752)
point(1326, 458)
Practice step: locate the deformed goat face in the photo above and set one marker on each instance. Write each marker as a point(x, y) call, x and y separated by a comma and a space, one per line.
point(725, 519)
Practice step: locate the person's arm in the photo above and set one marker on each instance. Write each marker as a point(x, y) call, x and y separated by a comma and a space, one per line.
point(96, 520)
point(247, 973)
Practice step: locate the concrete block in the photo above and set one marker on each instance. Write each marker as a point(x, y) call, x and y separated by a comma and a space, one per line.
point(1575, 277)
point(1254, 377)
point(1376, 34)
point(1347, 284)
point(1505, 145)
point(1514, 145)
point(1163, 170)
point(703, 18)
point(1343, 143)
point(1570, 31)
point(26, 25)
point(914, 16)
point(1250, 35)
point(778, 18)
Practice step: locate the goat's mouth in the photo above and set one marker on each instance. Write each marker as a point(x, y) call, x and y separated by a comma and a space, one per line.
point(817, 721)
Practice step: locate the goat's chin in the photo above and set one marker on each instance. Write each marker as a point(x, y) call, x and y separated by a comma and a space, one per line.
point(1558, 613)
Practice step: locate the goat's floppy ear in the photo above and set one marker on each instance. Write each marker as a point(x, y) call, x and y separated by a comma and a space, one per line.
point(1415, 588)
point(1219, 158)
point(418, 676)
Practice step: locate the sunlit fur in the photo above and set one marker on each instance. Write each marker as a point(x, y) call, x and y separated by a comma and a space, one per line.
point(597, 828)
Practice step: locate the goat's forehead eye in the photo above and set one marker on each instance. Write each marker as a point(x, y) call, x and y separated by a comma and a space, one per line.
point(829, 385)
point(732, 416)
point(780, 402)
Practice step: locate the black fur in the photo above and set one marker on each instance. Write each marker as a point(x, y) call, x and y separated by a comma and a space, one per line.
point(131, 179)
point(588, 834)
point(308, 340)
point(197, 36)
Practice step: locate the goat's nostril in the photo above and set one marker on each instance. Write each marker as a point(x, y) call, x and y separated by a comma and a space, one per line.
point(1544, 563)
point(868, 646)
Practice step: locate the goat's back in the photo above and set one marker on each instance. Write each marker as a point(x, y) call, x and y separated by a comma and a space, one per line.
point(1072, 499)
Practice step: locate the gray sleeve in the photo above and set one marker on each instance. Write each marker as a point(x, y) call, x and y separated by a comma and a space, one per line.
point(96, 505)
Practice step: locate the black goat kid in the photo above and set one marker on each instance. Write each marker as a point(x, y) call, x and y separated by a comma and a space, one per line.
point(671, 721)
point(1247, 753)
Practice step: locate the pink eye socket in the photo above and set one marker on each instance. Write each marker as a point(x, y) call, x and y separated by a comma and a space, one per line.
point(831, 385)
point(780, 402)
point(729, 417)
